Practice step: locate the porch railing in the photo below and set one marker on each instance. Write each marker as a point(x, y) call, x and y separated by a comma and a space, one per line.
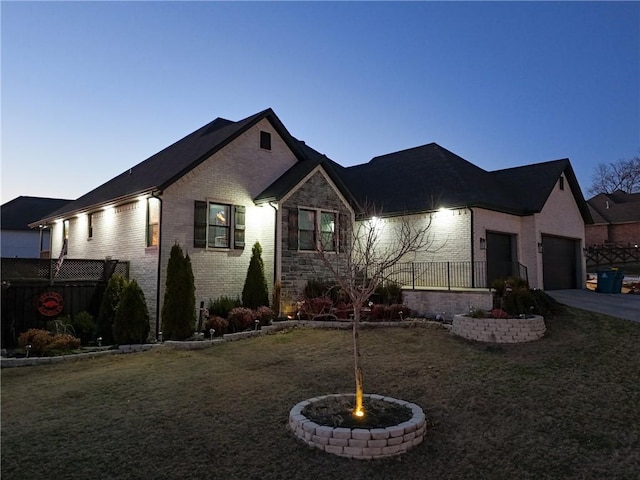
point(448, 274)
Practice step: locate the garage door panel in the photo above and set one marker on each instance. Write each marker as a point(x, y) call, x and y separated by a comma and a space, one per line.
point(559, 263)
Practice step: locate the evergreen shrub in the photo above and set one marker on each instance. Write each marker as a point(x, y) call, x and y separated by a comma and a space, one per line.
point(179, 307)
point(131, 323)
point(108, 307)
point(255, 292)
point(223, 305)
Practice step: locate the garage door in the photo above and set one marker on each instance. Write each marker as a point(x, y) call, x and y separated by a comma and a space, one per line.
point(559, 264)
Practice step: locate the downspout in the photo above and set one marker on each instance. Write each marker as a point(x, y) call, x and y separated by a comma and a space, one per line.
point(154, 195)
point(473, 264)
point(275, 239)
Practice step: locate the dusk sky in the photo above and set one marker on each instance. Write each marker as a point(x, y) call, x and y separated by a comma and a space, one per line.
point(91, 89)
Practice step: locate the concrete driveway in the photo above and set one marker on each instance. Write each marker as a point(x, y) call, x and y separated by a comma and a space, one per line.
point(619, 305)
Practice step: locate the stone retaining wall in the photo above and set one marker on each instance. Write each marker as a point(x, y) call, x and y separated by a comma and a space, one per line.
point(360, 443)
point(499, 330)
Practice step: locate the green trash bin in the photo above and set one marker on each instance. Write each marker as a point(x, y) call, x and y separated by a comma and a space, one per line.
point(610, 281)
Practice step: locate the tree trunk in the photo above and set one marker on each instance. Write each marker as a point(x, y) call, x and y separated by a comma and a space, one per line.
point(358, 411)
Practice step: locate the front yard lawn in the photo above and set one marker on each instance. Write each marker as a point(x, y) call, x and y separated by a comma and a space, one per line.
point(565, 407)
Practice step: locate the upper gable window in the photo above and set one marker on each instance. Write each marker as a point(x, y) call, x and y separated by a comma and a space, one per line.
point(265, 140)
point(153, 222)
point(561, 183)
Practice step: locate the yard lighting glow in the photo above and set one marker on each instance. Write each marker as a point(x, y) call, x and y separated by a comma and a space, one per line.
point(359, 413)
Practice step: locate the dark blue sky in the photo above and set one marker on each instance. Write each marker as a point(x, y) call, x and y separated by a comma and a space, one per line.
point(91, 89)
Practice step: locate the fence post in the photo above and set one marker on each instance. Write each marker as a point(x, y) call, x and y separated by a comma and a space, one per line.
point(449, 275)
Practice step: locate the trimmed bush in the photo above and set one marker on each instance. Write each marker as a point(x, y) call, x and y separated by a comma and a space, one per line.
point(61, 344)
point(240, 319)
point(108, 307)
point(44, 343)
point(219, 324)
point(255, 292)
point(265, 315)
point(223, 305)
point(84, 327)
point(179, 307)
point(131, 323)
point(389, 293)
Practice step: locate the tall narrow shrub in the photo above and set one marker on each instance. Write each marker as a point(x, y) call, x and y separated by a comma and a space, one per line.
point(179, 307)
point(255, 292)
point(131, 323)
point(108, 306)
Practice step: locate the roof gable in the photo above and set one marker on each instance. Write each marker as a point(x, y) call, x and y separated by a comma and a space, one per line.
point(165, 167)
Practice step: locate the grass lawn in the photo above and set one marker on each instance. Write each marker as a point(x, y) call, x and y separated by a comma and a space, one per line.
point(565, 407)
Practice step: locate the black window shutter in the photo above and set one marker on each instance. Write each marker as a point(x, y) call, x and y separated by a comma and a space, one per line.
point(293, 229)
point(239, 226)
point(200, 224)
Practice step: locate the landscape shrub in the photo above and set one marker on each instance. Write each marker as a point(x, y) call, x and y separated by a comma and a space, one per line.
point(388, 294)
point(131, 323)
point(379, 311)
point(84, 326)
point(344, 310)
point(223, 305)
point(545, 305)
point(255, 292)
point(398, 311)
point(503, 285)
point(265, 315)
point(44, 343)
point(37, 338)
point(60, 344)
point(327, 289)
point(315, 306)
point(108, 307)
point(240, 319)
point(179, 307)
point(219, 324)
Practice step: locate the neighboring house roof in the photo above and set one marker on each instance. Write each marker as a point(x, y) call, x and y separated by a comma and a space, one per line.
point(430, 176)
point(18, 213)
point(165, 167)
point(616, 207)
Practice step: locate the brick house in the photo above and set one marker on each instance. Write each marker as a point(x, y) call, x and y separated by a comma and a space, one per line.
point(229, 184)
point(616, 219)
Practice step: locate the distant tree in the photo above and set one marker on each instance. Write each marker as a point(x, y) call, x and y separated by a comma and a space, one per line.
point(108, 307)
point(619, 175)
point(179, 307)
point(131, 323)
point(255, 292)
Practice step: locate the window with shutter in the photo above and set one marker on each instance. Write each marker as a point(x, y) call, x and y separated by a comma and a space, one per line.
point(238, 231)
point(293, 229)
point(200, 224)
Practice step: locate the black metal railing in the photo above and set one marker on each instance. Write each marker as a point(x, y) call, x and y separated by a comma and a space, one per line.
point(447, 274)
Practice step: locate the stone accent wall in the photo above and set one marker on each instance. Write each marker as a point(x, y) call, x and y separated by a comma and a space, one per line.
point(298, 266)
point(360, 443)
point(446, 303)
point(499, 330)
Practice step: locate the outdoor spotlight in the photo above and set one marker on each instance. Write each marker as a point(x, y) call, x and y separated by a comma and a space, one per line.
point(257, 322)
point(99, 341)
point(160, 336)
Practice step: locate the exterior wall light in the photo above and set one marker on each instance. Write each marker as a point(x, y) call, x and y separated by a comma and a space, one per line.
point(483, 243)
point(540, 247)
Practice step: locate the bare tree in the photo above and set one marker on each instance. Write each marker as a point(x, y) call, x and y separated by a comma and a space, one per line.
point(366, 255)
point(619, 175)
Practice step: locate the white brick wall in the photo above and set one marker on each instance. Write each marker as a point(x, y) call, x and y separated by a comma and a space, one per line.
point(233, 175)
point(448, 235)
point(560, 216)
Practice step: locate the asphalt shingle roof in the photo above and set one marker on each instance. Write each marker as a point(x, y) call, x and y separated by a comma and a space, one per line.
point(18, 213)
point(414, 180)
point(168, 165)
point(616, 207)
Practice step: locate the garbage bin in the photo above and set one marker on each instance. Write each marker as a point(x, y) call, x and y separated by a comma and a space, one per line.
point(610, 281)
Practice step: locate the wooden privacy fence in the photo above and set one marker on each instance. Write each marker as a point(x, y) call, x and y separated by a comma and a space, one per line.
point(33, 296)
point(612, 254)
